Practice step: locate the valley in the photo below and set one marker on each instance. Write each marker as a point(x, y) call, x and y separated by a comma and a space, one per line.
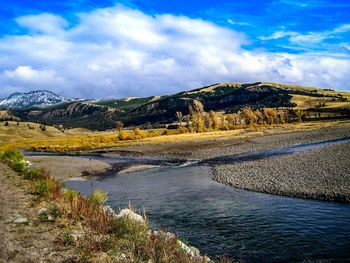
point(220, 154)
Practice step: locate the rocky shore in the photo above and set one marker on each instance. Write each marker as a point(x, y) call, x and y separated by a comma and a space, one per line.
point(322, 173)
point(319, 174)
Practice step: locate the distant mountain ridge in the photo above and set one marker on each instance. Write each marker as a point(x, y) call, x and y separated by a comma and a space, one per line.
point(159, 110)
point(40, 98)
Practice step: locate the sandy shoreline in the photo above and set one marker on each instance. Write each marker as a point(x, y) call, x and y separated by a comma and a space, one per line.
point(67, 167)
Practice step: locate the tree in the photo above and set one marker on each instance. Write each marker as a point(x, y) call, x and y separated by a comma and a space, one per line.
point(214, 120)
point(232, 118)
point(197, 106)
point(269, 115)
point(207, 120)
point(196, 110)
point(248, 116)
point(119, 126)
point(300, 115)
point(179, 117)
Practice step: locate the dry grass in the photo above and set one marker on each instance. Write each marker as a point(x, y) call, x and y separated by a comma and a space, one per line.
point(82, 140)
point(27, 131)
point(306, 102)
point(103, 237)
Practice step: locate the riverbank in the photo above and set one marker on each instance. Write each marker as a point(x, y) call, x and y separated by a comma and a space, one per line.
point(319, 173)
point(34, 203)
point(67, 167)
point(29, 241)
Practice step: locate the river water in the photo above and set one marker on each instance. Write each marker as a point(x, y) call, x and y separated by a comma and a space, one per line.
point(221, 220)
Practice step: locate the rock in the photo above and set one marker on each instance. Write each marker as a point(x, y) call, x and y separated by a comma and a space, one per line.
point(131, 215)
point(42, 211)
point(21, 220)
point(195, 251)
point(186, 248)
point(76, 234)
point(110, 210)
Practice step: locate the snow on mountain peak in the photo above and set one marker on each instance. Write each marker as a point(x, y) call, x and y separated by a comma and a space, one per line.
point(32, 98)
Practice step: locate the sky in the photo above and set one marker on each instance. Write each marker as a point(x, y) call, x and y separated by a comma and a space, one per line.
point(116, 49)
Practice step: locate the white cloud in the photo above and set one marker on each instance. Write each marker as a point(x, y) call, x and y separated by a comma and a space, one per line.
point(234, 22)
point(117, 52)
point(43, 23)
point(26, 76)
point(308, 38)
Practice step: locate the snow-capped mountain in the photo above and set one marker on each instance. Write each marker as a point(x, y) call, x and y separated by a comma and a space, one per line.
point(39, 98)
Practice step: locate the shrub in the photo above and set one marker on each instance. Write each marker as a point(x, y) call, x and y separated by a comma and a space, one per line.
point(98, 197)
point(140, 133)
point(68, 238)
point(15, 160)
point(70, 194)
point(12, 155)
point(124, 135)
point(130, 229)
point(32, 174)
point(164, 247)
point(19, 166)
point(182, 129)
point(47, 187)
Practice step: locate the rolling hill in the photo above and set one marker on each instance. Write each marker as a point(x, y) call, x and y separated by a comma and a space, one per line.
point(227, 97)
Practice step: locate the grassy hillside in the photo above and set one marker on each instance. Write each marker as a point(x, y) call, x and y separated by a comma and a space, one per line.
point(25, 132)
point(225, 97)
point(52, 139)
point(127, 104)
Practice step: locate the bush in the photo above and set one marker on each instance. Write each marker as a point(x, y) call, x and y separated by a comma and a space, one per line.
point(140, 133)
point(46, 187)
point(70, 194)
point(12, 155)
point(32, 174)
point(19, 166)
point(15, 160)
point(130, 229)
point(124, 135)
point(98, 197)
point(182, 129)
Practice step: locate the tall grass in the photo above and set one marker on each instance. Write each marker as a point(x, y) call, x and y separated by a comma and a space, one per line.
point(121, 239)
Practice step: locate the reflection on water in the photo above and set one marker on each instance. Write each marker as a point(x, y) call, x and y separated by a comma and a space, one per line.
point(222, 220)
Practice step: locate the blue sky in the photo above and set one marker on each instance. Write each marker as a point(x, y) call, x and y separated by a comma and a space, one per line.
point(110, 48)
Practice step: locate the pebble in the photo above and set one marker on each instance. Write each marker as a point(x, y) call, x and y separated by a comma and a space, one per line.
point(21, 220)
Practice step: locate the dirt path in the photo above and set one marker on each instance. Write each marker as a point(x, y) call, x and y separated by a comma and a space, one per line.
point(33, 241)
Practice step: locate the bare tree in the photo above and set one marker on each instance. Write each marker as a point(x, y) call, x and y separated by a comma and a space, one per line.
point(179, 117)
point(119, 126)
point(196, 110)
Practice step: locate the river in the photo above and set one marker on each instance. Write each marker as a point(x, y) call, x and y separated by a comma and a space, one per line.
point(221, 220)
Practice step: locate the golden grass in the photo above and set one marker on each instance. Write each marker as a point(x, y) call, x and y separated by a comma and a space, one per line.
point(85, 140)
point(306, 102)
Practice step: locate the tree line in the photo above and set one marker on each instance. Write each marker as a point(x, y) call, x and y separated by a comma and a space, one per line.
point(198, 120)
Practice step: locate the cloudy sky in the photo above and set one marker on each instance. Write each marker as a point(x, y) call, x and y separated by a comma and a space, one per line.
point(100, 49)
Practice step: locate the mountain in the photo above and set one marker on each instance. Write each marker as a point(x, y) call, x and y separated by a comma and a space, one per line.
point(40, 98)
point(226, 97)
